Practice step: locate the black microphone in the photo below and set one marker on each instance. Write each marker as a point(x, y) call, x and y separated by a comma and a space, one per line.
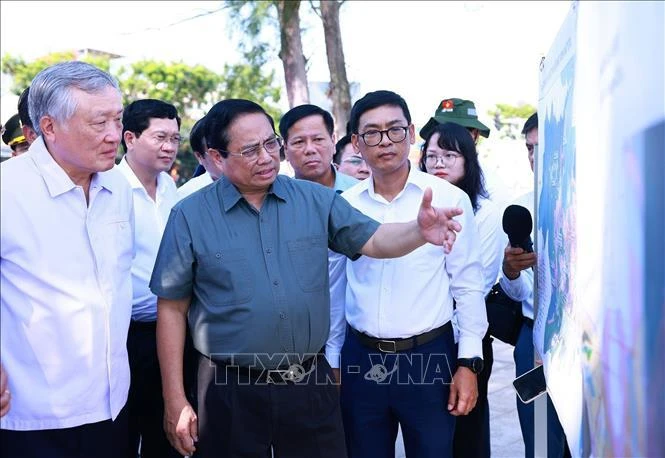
point(517, 224)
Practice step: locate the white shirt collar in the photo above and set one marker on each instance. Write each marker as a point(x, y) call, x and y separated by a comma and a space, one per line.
point(56, 179)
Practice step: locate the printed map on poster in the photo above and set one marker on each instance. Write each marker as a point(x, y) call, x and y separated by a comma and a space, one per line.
point(556, 332)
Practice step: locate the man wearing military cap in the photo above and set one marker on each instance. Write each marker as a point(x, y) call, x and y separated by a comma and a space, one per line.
point(458, 111)
point(13, 136)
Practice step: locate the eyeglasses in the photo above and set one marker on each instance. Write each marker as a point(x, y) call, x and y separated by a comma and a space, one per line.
point(354, 161)
point(447, 159)
point(160, 139)
point(374, 137)
point(251, 153)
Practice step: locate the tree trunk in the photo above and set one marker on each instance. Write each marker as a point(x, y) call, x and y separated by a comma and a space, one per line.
point(339, 84)
point(291, 53)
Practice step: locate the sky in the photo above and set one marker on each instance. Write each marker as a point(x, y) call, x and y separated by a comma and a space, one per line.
point(488, 52)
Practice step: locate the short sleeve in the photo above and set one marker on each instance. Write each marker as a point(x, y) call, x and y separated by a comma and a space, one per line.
point(173, 274)
point(349, 229)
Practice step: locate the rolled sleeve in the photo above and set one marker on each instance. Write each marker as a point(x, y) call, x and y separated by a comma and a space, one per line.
point(173, 274)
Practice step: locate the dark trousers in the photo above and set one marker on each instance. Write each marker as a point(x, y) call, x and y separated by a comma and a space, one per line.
point(104, 439)
point(556, 439)
point(472, 432)
point(383, 390)
point(241, 415)
point(145, 405)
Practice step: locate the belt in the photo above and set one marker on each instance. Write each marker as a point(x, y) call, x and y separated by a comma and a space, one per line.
point(295, 373)
point(396, 345)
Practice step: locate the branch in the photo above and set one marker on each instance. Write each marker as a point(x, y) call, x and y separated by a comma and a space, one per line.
point(317, 10)
point(205, 13)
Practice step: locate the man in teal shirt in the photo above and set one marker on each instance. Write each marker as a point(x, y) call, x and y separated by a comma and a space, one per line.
point(247, 260)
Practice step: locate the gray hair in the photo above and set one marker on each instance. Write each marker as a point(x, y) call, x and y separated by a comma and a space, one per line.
point(51, 90)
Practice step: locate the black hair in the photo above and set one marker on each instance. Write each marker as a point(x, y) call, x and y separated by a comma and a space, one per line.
point(303, 111)
point(23, 112)
point(339, 148)
point(137, 115)
point(197, 137)
point(373, 100)
point(221, 116)
point(453, 137)
point(530, 123)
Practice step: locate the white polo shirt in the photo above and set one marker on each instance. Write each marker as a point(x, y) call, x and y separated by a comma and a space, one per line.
point(413, 294)
point(151, 217)
point(66, 293)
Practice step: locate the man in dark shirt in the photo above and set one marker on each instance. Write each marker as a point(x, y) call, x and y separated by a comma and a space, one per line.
point(246, 260)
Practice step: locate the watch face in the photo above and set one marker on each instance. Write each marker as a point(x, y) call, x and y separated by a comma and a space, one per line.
point(477, 365)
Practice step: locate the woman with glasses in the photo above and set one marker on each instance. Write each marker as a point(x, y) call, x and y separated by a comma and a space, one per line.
point(449, 152)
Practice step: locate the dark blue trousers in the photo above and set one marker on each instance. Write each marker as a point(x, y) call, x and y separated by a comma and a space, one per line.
point(556, 439)
point(411, 388)
point(472, 432)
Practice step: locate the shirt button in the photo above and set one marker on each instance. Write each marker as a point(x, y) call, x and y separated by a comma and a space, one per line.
point(268, 251)
point(218, 255)
point(275, 282)
point(282, 316)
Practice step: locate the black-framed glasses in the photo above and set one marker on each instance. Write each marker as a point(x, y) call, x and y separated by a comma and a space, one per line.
point(251, 153)
point(395, 134)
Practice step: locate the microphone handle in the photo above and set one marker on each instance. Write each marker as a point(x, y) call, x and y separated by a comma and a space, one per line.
point(527, 245)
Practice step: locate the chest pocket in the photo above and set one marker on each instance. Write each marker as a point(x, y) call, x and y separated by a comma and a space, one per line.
point(227, 277)
point(116, 244)
point(309, 258)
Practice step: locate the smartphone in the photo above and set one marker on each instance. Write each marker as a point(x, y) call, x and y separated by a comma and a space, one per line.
point(531, 384)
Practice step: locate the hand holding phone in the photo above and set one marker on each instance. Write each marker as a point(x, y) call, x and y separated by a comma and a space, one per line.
point(531, 384)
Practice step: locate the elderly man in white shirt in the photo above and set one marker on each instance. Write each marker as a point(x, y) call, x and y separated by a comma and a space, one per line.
point(397, 358)
point(150, 139)
point(66, 248)
point(210, 160)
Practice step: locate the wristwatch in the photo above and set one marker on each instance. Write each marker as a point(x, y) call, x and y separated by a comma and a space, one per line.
point(475, 364)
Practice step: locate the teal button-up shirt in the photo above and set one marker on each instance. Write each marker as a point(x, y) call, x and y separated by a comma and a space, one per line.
point(258, 279)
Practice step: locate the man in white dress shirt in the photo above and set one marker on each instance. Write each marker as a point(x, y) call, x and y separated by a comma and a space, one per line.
point(150, 139)
point(209, 160)
point(397, 359)
point(66, 247)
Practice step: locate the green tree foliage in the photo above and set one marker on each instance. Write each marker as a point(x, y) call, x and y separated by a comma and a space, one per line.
point(506, 111)
point(187, 87)
point(23, 72)
point(192, 89)
point(508, 119)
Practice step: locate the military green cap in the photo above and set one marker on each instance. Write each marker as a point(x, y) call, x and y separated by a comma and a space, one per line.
point(458, 111)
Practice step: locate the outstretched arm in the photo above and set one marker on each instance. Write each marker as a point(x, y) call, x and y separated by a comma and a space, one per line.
point(433, 225)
